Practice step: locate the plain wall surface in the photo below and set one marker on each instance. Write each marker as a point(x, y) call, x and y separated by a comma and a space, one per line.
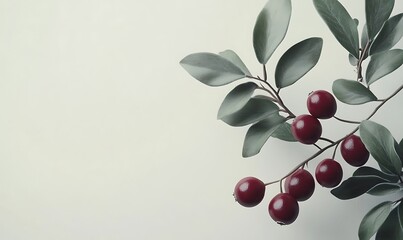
point(103, 136)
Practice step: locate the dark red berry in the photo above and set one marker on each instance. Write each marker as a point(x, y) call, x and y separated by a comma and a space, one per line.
point(249, 191)
point(284, 209)
point(306, 129)
point(300, 185)
point(353, 151)
point(329, 173)
point(321, 104)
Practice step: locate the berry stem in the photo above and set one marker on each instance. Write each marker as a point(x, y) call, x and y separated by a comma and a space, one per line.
point(336, 143)
point(346, 121)
point(384, 101)
point(317, 146)
point(326, 139)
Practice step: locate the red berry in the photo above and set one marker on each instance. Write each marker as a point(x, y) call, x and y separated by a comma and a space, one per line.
point(284, 209)
point(306, 129)
point(300, 185)
point(329, 173)
point(321, 104)
point(353, 151)
point(249, 191)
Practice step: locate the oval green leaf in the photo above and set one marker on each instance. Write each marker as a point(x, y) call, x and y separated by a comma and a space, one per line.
point(211, 69)
point(340, 24)
point(258, 134)
point(256, 109)
point(236, 60)
point(369, 171)
point(383, 63)
point(376, 13)
point(390, 229)
point(270, 28)
point(353, 61)
point(384, 189)
point(381, 144)
point(390, 34)
point(236, 99)
point(356, 186)
point(283, 132)
point(352, 92)
point(373, 220)
point(297, 61)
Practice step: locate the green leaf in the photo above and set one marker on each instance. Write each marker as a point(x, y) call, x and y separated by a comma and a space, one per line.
point(356, 186)
point(381, 144)
point(270, 28)
point(283, 132)
point(369, 171)
point(383, 63)
point(390, 34)
point(297, 61)
point(353, 61)
point(236, 99)
point(258, 134)
point(390, 229)
point(352, 92)
point(236, 60)
point(373, 220)
point(256, 109)
point(384, 189)
point(376, 13)
point(340, 24)
point(211, 69)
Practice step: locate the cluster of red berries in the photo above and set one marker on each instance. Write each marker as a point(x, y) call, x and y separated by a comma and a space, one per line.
point(300, 185)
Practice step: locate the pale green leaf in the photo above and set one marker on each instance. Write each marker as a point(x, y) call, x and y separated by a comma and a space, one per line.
point(270, 28)
point(211, 69)
point(236, 99)
point(381, 144)
point(283, 132)
point(258, 134)
point(384, 189)
point(297, 61)
point(236, 60)
point(383, 63)
point(376, 13)
point(256, 109)
point(352, 92)
point(390, 34)
point(340, 24)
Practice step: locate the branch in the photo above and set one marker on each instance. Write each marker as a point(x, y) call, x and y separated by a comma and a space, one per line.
point(336, 143)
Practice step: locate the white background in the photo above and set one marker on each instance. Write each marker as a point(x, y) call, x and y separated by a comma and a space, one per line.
point(104, 136)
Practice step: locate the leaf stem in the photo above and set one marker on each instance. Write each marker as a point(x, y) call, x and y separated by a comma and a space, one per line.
point(361, 60)
point(275, 94)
